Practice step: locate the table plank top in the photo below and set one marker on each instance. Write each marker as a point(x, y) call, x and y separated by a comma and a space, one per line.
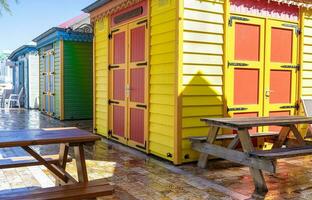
point(243, 123)
point(45, 136)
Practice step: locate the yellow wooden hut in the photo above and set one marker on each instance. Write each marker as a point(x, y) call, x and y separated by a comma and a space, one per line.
point(161, 65)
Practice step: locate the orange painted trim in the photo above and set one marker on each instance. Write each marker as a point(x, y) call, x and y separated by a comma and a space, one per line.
point(94, 79)
point(177, 156)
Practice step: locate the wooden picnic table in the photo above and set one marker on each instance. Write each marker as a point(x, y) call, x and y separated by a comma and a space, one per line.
point(66, 137)
point(256, 160)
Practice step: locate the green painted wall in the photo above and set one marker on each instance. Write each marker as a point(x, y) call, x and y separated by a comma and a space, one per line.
point(78, 92)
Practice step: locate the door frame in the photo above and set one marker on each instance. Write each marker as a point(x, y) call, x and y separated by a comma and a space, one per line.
point(228, 80)
point(147, 88)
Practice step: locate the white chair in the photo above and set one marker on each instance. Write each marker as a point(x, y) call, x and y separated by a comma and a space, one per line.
point(14, 99)
point(5, 95)
point(307, 106)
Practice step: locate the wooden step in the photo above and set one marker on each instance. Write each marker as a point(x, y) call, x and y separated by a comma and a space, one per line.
point(232, 136)
point(283, 153)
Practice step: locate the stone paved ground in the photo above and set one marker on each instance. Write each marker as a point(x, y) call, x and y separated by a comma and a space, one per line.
point(138, 176)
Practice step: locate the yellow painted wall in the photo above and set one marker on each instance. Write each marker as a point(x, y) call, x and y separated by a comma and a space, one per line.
point(307, 55)
point(203, 52)
point(101, 76)
point(163, 68)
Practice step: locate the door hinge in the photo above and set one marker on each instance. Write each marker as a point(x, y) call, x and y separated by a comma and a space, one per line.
point(110, 35)
point(141, 64)
point(110, 135)
point(142, 147)
point(143, 22)
point(296, 27)
point(237, 64)
point(237, 18)
point(113, 67)
point(112, 102)
point(290, 107)
point(141, 106)
point(236, 109)
point(291, 66)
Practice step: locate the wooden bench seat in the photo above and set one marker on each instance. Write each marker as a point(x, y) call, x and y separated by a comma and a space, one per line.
point(282, 153)
point(232, 136)
point(28, 161)
point(89, 190)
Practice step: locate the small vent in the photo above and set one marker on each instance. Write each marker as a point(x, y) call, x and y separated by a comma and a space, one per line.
point(128, 15)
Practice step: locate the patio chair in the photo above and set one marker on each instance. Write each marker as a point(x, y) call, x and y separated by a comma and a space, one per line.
point(5, 95)
point(14, 99)
point(307, 106)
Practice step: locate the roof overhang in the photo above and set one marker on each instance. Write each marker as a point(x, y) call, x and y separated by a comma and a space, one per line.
point(56, 33)
point(102, 8)
point(22, 51)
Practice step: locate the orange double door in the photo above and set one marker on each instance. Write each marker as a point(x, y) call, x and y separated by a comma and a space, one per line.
point(128, 87)
point(263, 68)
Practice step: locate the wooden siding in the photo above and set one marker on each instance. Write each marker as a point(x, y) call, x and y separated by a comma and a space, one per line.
point(307, 56)
point(77, 80)
point(163, 69)
point(57, 78)
point(101, 77)
point(202, 81)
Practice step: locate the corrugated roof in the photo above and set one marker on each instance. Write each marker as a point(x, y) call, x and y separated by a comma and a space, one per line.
point(95, 5)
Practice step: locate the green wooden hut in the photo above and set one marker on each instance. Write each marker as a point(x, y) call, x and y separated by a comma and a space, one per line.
point(65, 59)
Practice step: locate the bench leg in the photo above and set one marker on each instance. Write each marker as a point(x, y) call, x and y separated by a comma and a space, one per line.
point(257, 175)
point(282, 137)
point(81, 163)
point(203, 158)
point(297, 135)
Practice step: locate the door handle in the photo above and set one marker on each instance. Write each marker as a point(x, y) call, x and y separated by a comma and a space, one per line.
point(141, 106)
point(268, 93)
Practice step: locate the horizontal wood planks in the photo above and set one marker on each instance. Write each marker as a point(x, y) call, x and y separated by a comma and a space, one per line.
point(307, 55)
point(101, 76)
point(202, 81)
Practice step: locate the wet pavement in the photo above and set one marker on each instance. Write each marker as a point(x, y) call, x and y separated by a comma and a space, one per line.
point(138, 176)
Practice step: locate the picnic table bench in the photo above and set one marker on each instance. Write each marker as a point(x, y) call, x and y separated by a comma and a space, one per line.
point(67, 137)
point(256, 160)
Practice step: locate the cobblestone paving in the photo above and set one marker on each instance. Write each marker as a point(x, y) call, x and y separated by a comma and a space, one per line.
point(138, 176)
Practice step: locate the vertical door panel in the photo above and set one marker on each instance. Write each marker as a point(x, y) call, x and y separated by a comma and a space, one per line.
point(137, 85)
point(247, 42)
point(137, 125)
point(119, 120)
point(281, 45)
point(246, 86)
point(119, 84)
point(119, 56)
point(280, 86)
point(118, 80)
point(137, 50)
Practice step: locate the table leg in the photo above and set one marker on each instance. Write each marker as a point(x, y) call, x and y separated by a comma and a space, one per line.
point(81, 163)
point(63, 156)
point(203, 158)
point(257, 175)
point(283, 134)
point(297, 135)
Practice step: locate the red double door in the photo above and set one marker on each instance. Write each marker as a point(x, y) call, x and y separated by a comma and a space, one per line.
point(128, 75)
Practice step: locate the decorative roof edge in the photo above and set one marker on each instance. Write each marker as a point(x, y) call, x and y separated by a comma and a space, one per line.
point(22, 51)
point(115, 7)
point(95, 5)
point(299, 3)
point(56, 33)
